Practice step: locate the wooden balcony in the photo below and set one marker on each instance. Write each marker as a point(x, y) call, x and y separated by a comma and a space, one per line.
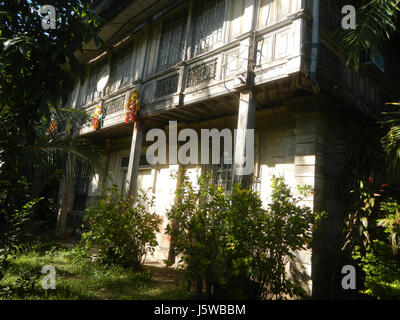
point(207, 84)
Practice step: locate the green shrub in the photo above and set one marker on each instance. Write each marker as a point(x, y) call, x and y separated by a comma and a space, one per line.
point(123, 232)
point(232, 247)
point(372, 238)
point(12, 234)
point(198, 233)
point(382, 270)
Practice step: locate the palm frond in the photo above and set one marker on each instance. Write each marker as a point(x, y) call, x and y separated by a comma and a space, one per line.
point(48, 157)
point(376, 21)
point(361, 157)
point(391, 140)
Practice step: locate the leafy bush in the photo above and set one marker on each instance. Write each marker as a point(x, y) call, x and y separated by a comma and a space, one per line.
point(372, 234)
point(12, 235)
point(232, 247)
point(123, 232)
point(198, 233)
point(391, 222)
point(382, 270)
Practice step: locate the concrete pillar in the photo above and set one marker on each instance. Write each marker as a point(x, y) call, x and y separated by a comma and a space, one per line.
point(246, 120)
point(134, 157)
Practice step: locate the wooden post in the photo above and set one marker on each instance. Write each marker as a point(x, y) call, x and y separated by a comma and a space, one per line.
point(246, 120)
point(247, 102)
point(134, 158)
point(107, 150)
point(66, 194)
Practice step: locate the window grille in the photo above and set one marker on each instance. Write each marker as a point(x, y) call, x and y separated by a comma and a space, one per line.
point(114, 105)
point(91, 93)
point(123, 173)
point(202, 73)
point(166, 86)
point(207, 24)
point(172, 40)
point(222, 173)
point(120, 70)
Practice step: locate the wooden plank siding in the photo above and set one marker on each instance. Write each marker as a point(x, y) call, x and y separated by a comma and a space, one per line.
point(186, 57)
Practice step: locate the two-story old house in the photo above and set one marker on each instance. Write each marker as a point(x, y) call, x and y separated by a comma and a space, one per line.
point(269, 65)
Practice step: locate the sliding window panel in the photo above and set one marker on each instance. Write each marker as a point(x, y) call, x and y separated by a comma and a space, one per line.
point(172, 40)
point(208, 22)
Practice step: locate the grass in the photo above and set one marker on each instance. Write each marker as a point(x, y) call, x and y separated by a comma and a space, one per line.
point(79, 279)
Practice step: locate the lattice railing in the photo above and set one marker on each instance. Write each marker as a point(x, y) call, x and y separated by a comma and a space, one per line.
point(115, 105)
point(201, 73)
point(166, 86)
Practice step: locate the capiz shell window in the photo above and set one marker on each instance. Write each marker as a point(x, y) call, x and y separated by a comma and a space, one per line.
point(208, 22)
point(172, 40)
point(120, 69)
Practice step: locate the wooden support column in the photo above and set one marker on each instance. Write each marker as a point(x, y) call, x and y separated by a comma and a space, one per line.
point(66, 196)
point(246, 120)
point(244, 157)
point(134, 157)
point(107, 150)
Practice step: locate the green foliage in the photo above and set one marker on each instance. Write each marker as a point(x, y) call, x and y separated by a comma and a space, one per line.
point(382, 270)
point(79, 279)
point(287, 228)
point(376, 252)
point(391, 222)
point(13, 234)
point(365, 206)
point(38, 68)
point(391, 140)
point(124, 233)
point(232, 247)
point(376, 22)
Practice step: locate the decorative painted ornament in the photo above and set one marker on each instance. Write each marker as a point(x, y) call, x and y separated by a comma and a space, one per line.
point(97, 118)
point(132, 106)
point(53, 127)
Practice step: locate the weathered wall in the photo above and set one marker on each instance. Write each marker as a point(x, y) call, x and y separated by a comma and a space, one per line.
point(295, 145)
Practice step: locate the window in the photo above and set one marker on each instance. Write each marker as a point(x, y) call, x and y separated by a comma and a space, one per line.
point(143, 165)
point(172, 40)
point(120, 70)
point(208, 21)
point(91, 92)
point(123, 172)
point(222, 173)
point(283, 9)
